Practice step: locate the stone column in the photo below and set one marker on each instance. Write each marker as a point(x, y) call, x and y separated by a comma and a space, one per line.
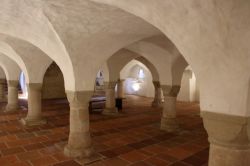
point(157, 100)
point(2, 90)
point(34, 116)
point(120, 88)
point(229, 138)
point(79, 143)
point(13, 104)
point(168, 120)
point(110, 98)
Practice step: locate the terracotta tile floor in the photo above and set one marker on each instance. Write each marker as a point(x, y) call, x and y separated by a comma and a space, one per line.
point(132, 138)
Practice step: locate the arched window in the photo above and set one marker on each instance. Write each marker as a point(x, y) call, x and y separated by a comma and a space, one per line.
point(141, 74)
point(100, 78)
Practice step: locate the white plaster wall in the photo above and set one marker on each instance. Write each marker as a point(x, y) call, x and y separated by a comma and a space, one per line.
point(189, 91)
point(27, 21)
point(130, 74)
point(213, 38)
point(158, 56)
point(10, 68)
point(32, 61)
point(184, 94)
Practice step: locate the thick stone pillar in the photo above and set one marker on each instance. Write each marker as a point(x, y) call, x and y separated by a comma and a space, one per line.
point(110, 98)
point(34, 116)
point(2, 90)
point(13, 104)
point(120, 88)
point(168, 120)
point(79, 143)
point(157, 99)
point(229, 138)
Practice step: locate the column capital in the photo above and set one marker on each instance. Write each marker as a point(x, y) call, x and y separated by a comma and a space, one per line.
point(169, 90)
point(110, 85)
point(36, 86)
point(188, 73)
point(157, 84)
point(227, 130)
point(120, 81)
point(13, 83)
point(79, 98)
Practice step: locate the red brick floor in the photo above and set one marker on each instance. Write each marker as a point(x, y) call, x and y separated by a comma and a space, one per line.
point(132, 138)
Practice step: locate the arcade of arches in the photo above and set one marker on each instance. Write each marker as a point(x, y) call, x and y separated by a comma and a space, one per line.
point(125, 82)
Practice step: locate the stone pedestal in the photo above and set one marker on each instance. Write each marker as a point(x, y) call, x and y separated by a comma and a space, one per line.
point(168, 120)
point(229, 138)
point(34, 116)
point(120, 88)
point(79, 143)
point(12, 96)
point(157, 99)
point(110, 98)
point(2, 90)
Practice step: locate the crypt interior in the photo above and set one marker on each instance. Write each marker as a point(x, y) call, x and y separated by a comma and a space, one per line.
point(124, 83)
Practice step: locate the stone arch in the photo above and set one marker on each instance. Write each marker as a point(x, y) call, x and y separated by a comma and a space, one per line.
point(204, 42)
point(138, 78)
point(161, 52)
point(33, 61)
point(11, 69)
point(175, 29)
point(150, 66)
point(91, 42)
point(49, 42)
point(7, 51)
point(117, 61)
point(160, 57)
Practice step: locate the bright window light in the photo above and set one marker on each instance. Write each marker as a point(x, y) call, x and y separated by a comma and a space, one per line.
point(141, 74)
point(22, 82)
point(136, 86)
point(23, 96)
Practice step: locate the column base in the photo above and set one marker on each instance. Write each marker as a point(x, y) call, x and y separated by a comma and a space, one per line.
point(11, 108)
point(70, 151)
point(169, 124)
point(33, 122)
point(110, 111)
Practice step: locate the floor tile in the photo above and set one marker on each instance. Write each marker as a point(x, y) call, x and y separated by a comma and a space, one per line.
point(133, 156)
point(12, 151)
point(132, 138)
point(45, 160)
